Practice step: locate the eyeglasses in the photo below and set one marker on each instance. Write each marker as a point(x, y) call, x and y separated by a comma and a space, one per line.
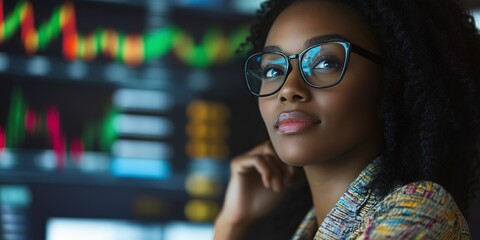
point(322, 65)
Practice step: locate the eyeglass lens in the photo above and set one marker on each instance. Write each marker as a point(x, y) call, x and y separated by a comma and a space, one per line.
point(321, 66)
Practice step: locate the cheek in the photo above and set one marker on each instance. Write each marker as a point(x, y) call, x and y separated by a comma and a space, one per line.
point(352, 107)
point(266, 110)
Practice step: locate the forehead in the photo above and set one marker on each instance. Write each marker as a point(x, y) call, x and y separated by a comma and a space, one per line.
point(305, 20)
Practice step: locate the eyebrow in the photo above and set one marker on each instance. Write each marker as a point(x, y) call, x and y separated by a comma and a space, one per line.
point(273, 48)
point(324, 38)
point(308, 42)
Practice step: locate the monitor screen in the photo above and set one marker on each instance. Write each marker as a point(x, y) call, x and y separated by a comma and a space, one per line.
point(107, 229)
point(120, 109)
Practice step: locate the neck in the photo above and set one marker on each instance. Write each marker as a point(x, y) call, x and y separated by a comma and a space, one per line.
point(331, 178)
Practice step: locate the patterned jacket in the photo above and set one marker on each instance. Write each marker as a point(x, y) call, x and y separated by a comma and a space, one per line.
point(419, 210)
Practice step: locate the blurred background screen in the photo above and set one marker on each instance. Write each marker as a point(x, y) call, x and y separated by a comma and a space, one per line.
point(118, 118)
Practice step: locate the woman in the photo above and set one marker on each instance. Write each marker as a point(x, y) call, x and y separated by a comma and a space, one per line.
point(378, 103)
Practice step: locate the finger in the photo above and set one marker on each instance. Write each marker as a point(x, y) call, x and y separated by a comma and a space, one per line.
point(257, 164)
point(293, 172)
point(265, 169)
point(267, 148)
point(285, 169)
point(259, 149)
point(268, 165)
point(277, 172)
point(282, 166)
point(287, 172)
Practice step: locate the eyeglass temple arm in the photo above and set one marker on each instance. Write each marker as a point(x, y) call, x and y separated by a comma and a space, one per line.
point(367, 54)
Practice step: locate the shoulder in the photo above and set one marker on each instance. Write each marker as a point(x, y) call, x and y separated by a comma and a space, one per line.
point(420, 196)
point(417, 209)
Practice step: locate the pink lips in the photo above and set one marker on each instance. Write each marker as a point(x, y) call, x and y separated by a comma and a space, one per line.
point(293, 122)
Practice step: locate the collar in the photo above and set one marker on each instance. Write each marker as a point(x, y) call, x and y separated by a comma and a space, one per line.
point(348, 213)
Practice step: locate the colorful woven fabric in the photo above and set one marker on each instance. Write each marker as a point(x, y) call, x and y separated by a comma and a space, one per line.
point(419, 210)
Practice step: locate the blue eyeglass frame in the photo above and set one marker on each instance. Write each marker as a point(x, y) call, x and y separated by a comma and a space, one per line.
point(347, 45)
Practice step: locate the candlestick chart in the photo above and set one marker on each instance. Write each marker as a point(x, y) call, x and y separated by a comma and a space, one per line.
point(133, 49)
point(24, 122)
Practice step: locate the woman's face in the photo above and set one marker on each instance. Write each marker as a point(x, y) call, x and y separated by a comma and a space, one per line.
point(323, 124)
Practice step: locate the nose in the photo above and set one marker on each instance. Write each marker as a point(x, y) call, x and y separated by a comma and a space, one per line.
point(295, 89)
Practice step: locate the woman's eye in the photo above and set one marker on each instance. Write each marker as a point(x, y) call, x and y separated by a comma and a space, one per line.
point(272, 72)
point(327, 65)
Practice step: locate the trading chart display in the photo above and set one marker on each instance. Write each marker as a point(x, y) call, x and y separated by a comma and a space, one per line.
point(119, 115)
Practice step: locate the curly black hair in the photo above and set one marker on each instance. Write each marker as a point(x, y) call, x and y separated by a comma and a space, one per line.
point(430, 106)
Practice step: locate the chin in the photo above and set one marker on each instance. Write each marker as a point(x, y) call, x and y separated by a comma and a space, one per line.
point(296, 161)
point(300, 150)
point(295, 155)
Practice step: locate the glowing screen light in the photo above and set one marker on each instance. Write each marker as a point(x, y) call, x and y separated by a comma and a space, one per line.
point(92, 229)
point(141, 168)
point(247, 6)
point(141, 149)
point(15, 195)
point(135, 99)
point(143, 125)
point(476, 15)
point(107, 229)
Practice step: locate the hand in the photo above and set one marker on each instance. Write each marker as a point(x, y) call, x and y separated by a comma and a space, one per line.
point(257, 185)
